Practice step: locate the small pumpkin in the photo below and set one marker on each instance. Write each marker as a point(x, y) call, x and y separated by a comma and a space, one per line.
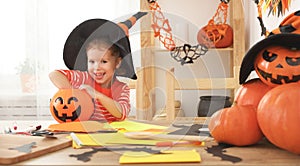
point(277, 65)
point(251, 92)
point(236, 125)
point(278, 116)
point(68, 105)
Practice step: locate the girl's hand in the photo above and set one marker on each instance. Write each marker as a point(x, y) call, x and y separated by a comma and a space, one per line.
point(90, 90)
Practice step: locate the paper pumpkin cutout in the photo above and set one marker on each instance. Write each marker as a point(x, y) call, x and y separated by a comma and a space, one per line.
point(218, 36)
point(217, 33)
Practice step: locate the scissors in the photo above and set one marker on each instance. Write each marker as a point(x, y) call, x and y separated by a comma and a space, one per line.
point(43, 133)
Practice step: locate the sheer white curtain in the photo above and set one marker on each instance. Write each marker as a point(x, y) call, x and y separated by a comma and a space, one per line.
point(33, 33)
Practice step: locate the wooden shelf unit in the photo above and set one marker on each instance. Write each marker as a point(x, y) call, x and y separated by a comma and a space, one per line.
point(146, 81)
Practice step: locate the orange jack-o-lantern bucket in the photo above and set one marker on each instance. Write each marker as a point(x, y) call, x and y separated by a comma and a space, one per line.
point(69, 105)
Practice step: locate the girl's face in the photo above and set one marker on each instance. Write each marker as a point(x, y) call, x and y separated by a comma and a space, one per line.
point(102, 65)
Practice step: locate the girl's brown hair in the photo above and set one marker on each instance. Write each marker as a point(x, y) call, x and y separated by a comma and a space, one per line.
point(103, 44)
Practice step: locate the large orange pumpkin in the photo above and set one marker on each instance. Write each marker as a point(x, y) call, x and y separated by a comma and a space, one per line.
point(236, 125)
point(277, 65)
point(278, 116)
point(69, 105)
point(251, 92)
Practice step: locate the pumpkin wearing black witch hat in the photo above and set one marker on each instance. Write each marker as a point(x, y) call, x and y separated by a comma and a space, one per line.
point(276, 59)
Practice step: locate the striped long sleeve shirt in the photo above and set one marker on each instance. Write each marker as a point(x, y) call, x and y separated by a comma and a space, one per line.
point(119, 92)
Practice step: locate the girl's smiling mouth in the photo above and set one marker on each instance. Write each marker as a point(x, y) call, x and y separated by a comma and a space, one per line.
point(99, 76)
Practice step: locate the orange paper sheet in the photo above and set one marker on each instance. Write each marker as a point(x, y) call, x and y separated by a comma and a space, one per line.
point(84, 126)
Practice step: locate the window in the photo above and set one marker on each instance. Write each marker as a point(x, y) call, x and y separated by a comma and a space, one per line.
point(33, 38)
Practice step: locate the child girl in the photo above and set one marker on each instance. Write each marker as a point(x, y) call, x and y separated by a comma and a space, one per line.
point(97, 51)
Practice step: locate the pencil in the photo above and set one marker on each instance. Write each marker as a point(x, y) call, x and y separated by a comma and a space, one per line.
point(174, 143)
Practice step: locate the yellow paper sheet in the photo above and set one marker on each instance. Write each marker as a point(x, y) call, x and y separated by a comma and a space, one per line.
point(170, 157)
point(136, 126)
point(94, 126)
point(111, 139)
point(105, 139)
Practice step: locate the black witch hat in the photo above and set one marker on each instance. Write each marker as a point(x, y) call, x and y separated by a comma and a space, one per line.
point(74, 53)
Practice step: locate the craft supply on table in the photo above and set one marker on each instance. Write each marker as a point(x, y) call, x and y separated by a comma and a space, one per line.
point(170, 157)
point(103, 127)
point(43, 133)
point(92, 134)
point(180, 143)
point(136, 133)
point(81, 140)
point(107, 139)
point(129, 125)
point(27, 131)
point(194, 129)
point(150, 135)
point(83, 127)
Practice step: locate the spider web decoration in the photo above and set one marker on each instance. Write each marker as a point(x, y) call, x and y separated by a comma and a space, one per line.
point(187, 53)
point(163, 31)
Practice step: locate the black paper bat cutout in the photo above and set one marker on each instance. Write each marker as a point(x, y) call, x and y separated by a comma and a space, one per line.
point(187, 54)
point(86, 156)
point(218, 151)
point(191, 130)
point(24, 148)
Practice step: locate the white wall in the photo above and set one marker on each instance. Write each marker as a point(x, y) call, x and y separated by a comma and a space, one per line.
point(271, 22)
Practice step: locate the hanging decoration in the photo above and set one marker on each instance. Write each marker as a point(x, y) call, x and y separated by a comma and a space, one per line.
point(163, 31)
point(274, 6)
point(189, 53)
point(217, 33)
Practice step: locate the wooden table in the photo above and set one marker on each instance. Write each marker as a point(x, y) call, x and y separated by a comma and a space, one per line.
point(263, 153)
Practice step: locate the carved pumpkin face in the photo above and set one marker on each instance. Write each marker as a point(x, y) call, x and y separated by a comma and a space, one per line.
point(287, 34)
point(276, 65)
point(69, 105)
